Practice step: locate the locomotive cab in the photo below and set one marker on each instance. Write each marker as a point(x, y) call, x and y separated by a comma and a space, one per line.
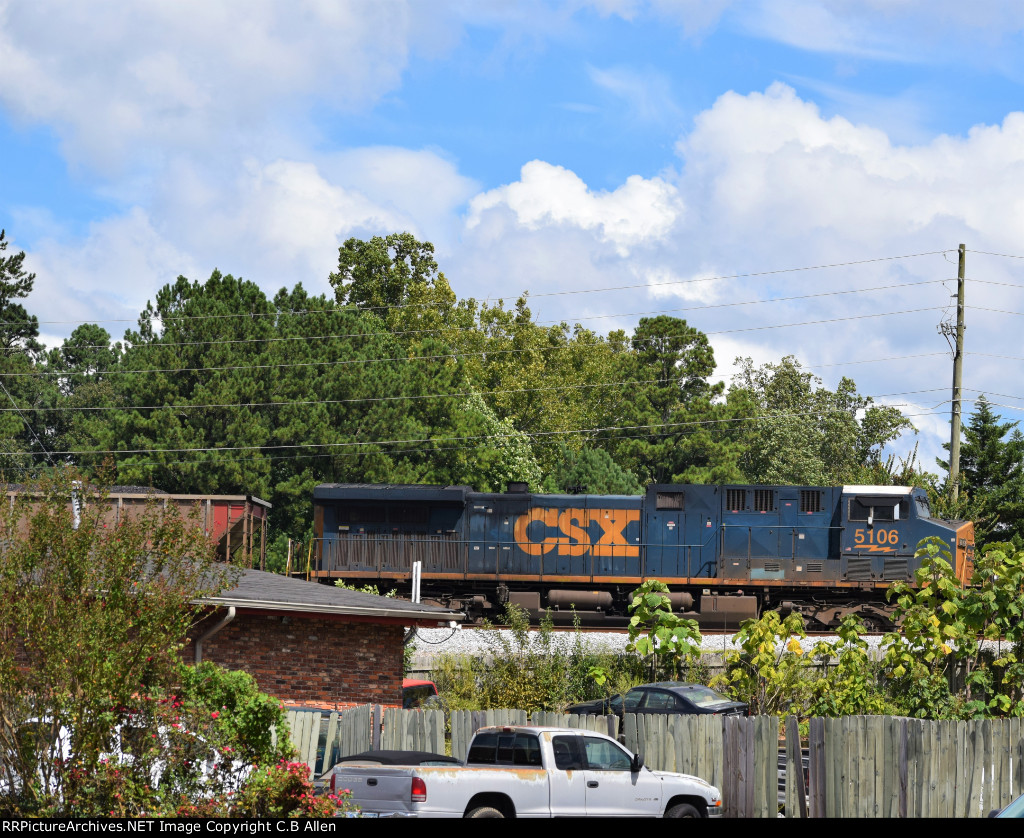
point(881, 528)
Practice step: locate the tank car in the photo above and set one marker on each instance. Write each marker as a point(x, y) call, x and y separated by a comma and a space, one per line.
point(726, 552)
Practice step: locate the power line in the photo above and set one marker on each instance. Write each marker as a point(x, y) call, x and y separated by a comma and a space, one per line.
point(743, 275)
point(370, 399)
point(343, 307)
point(168, 463)
point(510, 435)
point(888, 288)
point(313, 402)
point(445, 356)
point(997, 310)
point(469, 329)
point(25, 420)
point(824, 322)
point(433, 449)
point(989, 253)
point(286, 365)
point(992, 282)
point(430, 450)
point(1002, 357)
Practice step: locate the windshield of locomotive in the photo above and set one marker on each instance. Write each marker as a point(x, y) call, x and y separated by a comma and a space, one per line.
point(923, 511)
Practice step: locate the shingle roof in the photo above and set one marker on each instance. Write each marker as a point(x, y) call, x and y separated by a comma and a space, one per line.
point(270, 591)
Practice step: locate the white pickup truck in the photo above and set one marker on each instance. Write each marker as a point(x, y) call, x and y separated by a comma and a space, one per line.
point(530, 772)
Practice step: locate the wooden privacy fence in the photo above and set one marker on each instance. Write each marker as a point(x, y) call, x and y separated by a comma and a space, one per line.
point(737, 754)
point(320, 739)
point(879, 766)
point(858, 766)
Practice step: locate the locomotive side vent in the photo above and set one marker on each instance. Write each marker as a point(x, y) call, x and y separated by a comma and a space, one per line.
point(896, 569)
point(858, 568)
point(736, 499)
point(815, 567)
point(764, 500)
point(671, 500)
point(811, 500)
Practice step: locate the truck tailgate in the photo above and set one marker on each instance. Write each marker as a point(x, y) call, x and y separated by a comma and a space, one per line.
point(377, 789)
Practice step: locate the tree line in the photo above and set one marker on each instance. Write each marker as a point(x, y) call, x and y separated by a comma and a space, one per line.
point(221, 388)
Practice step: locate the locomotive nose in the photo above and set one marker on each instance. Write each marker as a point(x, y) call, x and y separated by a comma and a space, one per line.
point(965, 552)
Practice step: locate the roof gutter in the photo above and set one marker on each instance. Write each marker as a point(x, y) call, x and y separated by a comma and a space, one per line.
point(227, 618)
point(353, 610)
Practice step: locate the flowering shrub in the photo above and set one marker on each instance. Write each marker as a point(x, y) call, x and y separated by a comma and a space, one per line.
point(284, 791)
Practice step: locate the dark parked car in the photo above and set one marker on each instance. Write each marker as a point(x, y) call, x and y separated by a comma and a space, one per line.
point(663, 697)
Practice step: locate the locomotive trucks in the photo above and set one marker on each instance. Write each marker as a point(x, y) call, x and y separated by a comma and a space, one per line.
point(530, 772)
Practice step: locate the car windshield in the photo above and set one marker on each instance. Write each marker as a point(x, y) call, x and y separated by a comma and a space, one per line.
point(1014, 810)
point(704, 697)
point(413, 697)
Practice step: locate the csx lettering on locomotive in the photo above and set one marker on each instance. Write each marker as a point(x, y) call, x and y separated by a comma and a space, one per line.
point(569, 532)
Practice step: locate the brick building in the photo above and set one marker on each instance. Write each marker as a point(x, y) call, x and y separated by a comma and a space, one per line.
point(310, 644)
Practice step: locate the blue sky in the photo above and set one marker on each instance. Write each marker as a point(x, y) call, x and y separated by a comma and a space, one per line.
point(545, 147)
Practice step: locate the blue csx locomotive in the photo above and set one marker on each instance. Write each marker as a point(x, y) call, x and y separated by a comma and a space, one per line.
point(726, 552)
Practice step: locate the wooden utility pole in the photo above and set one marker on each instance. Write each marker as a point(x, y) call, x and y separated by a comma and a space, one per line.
point(958, 374)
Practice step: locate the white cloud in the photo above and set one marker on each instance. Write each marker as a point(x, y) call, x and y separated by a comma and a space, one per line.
point(116, 78)
point(638, 212)
point(701, 286)
point(771, 158)
point(276, 223)
point(298, 216)
point(423, 188)
point(105, 278)
point(647, 93)
point(910, 30)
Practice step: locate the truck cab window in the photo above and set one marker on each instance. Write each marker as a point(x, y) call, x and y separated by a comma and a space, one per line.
point(567, 756)
point(603, 755)
point(484, 750)
point(526, 750)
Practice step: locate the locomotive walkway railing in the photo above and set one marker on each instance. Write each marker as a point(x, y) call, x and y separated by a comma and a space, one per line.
point(393, 554)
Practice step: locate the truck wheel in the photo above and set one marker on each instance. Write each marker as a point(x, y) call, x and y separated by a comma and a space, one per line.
point(682, 810)
point(484, 812)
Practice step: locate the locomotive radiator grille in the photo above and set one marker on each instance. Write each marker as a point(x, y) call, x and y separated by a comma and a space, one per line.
point(858, 568)
point(896, 569)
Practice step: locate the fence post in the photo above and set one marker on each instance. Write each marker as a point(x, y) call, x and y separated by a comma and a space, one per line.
point(796, 794)
point(816, 768)
point(903, 768)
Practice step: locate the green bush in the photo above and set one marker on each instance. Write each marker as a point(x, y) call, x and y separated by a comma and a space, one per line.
point(532, 670)
point(244, 718)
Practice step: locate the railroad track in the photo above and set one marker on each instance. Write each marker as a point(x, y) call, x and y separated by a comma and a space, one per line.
point(710, 632)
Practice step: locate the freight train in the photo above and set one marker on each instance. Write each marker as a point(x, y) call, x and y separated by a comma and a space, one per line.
point(726, 552)
point(236, 524)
